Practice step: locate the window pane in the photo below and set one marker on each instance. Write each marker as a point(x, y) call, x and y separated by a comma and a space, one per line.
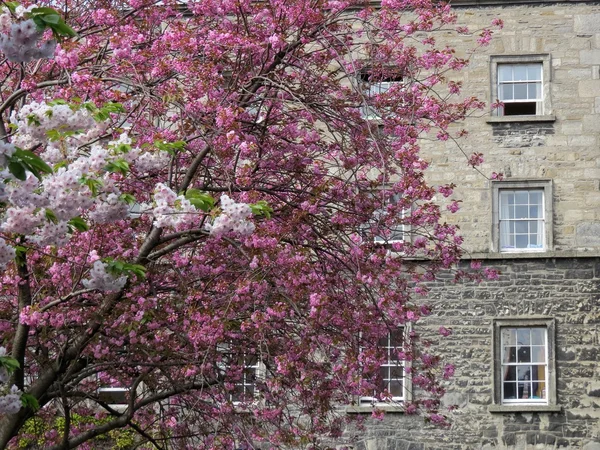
point(521, 226)
point(384, 373)
point(395, 388)
point(534, 211)
point(521, 241)
point(510, 391)
point(538, 336)
point(523, 336)
point(510, 373)
point(523, 354)
point(522, 197)
point(509, 354)
point(396, 372)
point(539, 390)
point(524, 373)
point(509, 336)
point(520, 72)
point(538, 373)
point(524, 390)
point(520, 91)
point(396, 338)
point(521, 212)
point(533, 90)
point(534, 71)
point(506, 92)
point(504, 72)
point(538, 354)
point(533, 226)
point(535, 197)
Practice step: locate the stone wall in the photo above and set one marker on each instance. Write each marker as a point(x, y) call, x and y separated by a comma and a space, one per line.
point(566, 289)
point(562, 283)
point(564, 148)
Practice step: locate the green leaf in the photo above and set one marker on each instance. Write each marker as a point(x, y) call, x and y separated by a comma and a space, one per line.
point(43, 11)
point(12, 6)
point(200, 200)
point(77, 223)
point(52, 19)
point(11, 364)
point(119, 165)
point(118, 268)
point(17, 169)
point(261, 208)
point(58, 101)
point(29, 401)
point(93, 184)
point(122, 148)
point(50, 216)
point(39, 22)
point(127, 198)
point(90, 107)
point(32, 160)
point(171, 147)
point(33, 119)
point(62, 29)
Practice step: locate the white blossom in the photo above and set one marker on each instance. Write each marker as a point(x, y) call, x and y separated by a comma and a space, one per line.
point(102, 280)
point(171, 210)
point(233, 219)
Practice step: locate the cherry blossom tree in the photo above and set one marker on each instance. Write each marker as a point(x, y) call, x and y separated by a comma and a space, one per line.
point(192, 191)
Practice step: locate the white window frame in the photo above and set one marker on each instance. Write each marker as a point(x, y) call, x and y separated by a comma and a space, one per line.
point(109, 390)
point(402, 230)
point(374, 88)
point(524, 386)
point(549, 400)
point(373, 401)
point(259, 371)
point(544, 104)
point(545, 186)
point(247, 379)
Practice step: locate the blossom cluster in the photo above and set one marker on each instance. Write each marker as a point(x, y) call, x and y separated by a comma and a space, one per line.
point(102, 280)
point(21, 44)
point(233, 219)
point(171, 210)
point(35, 120)
point(10, 399)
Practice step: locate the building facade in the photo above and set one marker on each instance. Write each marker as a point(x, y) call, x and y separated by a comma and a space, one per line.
point(526, 346)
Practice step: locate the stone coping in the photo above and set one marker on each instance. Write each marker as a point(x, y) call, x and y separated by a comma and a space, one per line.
point(532, 255)
point(520, 119)
point(368, 409)
point(524, 408)
point(510, 2)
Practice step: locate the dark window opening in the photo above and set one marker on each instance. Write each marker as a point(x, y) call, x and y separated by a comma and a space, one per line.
point(520, 109)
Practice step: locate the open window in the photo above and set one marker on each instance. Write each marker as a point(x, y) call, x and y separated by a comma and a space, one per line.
point(374, 87)
point(522, 84)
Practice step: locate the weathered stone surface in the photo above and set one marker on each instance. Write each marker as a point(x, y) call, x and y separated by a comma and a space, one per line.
point(469, 348)
point(563, 283)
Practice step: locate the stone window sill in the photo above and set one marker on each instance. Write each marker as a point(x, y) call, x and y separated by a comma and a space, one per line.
point(368, 409)
point(524, 408)
point(520, 119)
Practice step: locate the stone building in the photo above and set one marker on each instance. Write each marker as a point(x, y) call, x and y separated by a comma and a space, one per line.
point(526, 347)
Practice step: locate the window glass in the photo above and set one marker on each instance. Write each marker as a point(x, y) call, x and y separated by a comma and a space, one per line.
point(521, 219)
point(391, 372)
point(524, 365)
point(520, 88)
